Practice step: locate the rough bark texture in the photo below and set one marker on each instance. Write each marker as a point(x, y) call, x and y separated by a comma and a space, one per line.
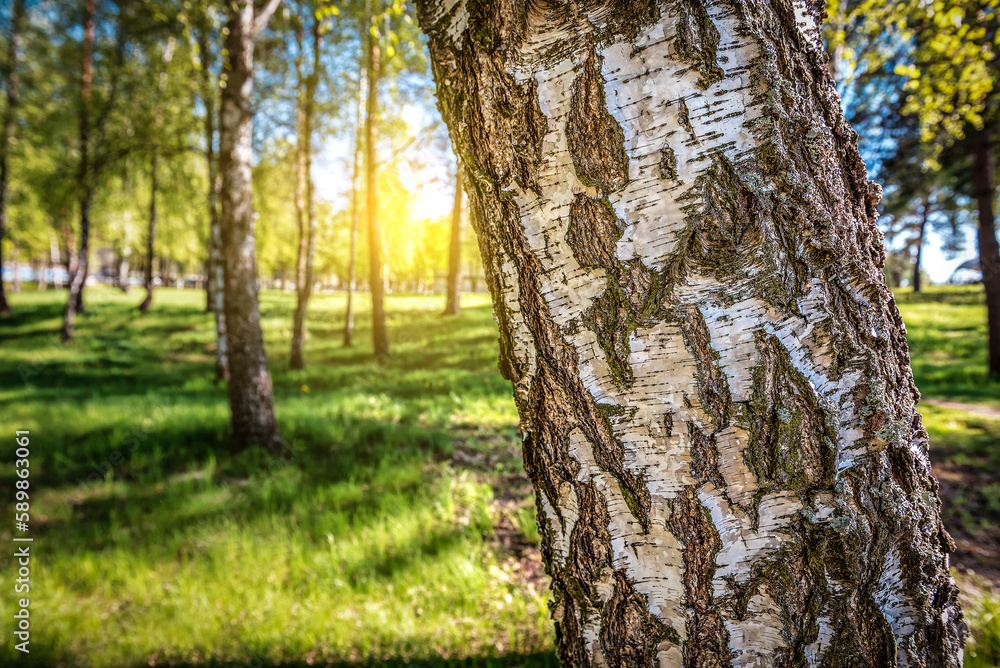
point(305, 205)
point(10, 116)
point(376, 278)
point(216, 269)
point(84, 179)
point(250, 395)
point(453, 303)
point(984, 168)
point(712, 377)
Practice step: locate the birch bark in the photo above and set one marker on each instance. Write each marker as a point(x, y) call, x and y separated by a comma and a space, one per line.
point(712, 377)
point(250, 394)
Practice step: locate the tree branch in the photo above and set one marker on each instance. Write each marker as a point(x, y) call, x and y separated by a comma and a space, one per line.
point(263, 15)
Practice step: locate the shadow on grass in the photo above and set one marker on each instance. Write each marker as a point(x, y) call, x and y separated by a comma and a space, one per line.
point(42, 658)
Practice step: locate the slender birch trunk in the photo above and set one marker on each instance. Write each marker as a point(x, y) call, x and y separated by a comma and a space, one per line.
point(216, 267)
point(85, 181)
point(453, 303)
point(250, 395)
point(9, 125)
point(305, 204)
point(352, 263)
point(376, 272)
point(714, 387)
point(167, 56)
point(984, 169)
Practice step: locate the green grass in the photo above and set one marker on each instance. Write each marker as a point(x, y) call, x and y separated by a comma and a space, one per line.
point(398, 530)
point(154, 545)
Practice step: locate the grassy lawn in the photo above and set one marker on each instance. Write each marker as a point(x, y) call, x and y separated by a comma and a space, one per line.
point(399, 529)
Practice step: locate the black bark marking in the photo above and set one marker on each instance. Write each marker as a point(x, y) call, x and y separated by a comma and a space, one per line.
point(713, 386)
point(708, 640)
point(593, 230)
point(668, 164)
point(596, 140)
point(697, 41)
point(630, 635)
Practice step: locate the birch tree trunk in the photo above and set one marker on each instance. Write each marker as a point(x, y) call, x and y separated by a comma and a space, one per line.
point(453, 303)
point(712, 377)
point(84, 181)
point(216, 268)
point(9, 121)
point(250, 395)
point(305, 204)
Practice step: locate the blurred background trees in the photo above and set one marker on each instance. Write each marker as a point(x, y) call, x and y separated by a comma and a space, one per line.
point(122, 163)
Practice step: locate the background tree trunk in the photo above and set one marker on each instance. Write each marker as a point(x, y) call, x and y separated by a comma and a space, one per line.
point(216, 271)
point(984, 169)
point(168, 54)
point(306, 209)
point(9, 125)
point(716, 402)
point(352, 264)
point(920, 244)
point(376, 278)
point(85, 186)
point(250, 394)
point(453, 304)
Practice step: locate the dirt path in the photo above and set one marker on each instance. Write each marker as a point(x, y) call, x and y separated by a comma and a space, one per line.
point(968, 408)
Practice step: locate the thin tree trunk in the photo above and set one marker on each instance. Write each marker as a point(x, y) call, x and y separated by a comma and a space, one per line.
point(352, 264)
point(15, 261)
point(920, 244)
point(306, 209)
point(55, 258)
point(216, 270)
point(124, 257)
point(85, 186)
point(168, 54)
point(150, 235)
point(717, 408)
point(13, 96)
point(453, 304)
point(376, 277)
point(43, 277)
point(984, 168)
point(250, 394)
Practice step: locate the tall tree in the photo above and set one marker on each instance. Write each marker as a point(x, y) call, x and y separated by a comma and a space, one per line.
point(85, 176)
point(215, 279)
point(376, 269)
point(250, 395)
point(359, 136)
point(9, 122)
point(717, 407)
point(154, 161)
point(453, 303)
point(305, 204)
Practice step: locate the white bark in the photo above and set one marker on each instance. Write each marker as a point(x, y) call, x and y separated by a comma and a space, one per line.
point(710, 371)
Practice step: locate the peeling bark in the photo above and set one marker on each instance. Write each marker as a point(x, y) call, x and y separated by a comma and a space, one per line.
point(712, 377)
